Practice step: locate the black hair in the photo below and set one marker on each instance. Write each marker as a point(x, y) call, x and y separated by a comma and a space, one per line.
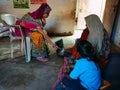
point(86, 50)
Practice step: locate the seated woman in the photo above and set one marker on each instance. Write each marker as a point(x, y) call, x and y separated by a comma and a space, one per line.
point(34, 27)
point(96, 34)
point(99, 38)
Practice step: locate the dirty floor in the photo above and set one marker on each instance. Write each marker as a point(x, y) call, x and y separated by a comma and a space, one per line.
point(16, 74)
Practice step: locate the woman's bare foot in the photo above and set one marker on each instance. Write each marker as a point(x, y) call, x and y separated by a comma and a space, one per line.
point(42, 59)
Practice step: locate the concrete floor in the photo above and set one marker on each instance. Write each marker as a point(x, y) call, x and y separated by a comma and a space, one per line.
point(16, 74)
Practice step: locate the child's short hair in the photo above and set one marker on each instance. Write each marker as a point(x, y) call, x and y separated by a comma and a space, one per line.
point(86, 50)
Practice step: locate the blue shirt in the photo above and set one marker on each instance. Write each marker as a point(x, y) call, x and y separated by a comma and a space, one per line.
point(88, 73)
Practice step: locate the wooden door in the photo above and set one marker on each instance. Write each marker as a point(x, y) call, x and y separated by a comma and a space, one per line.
point(109, 14)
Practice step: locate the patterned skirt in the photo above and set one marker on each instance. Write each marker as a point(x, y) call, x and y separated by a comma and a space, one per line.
point(43, 52)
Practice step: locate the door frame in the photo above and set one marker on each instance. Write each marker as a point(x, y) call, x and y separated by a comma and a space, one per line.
point(115, 24)
point(79, 10)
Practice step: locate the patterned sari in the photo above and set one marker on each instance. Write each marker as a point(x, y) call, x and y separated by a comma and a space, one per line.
point(39, 44)
point(30, 21)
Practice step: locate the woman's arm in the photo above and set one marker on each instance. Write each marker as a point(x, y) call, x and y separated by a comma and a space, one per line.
point(47, 38)
point(31, 25)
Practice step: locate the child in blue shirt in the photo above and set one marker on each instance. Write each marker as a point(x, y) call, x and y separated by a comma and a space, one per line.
point(86, 73)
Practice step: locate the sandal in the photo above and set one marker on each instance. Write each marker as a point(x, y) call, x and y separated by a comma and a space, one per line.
point(42, 59)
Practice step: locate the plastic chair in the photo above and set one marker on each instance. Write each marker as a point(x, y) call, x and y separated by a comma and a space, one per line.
point(10, 21)
point(28, 49)
point(27, 43)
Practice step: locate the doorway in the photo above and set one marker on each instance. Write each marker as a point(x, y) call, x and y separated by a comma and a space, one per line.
point(115, 34)
point(86, 7)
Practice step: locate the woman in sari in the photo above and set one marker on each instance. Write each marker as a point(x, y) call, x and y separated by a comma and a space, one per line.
point(96, 34)
point(99, 38)
point(34, 27)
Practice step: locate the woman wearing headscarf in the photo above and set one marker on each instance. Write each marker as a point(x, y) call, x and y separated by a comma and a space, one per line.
point(96, 34)
point(99, 38)
point(34, 27)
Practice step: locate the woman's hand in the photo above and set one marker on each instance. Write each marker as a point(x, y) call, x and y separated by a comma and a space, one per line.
point(47, 38)
point(55, 47)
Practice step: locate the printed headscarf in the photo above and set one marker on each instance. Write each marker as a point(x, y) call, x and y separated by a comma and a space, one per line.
point(44, 8)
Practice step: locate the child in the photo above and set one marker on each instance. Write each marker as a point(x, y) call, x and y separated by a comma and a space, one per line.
point(86, 73)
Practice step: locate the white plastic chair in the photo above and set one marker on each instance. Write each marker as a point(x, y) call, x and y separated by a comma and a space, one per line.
point(27, 43)
point(10, 21)
point(28, 49)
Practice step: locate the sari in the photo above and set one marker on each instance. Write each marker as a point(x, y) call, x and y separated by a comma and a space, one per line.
point(99, 38)
point(30, 21)
point(98, 35)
